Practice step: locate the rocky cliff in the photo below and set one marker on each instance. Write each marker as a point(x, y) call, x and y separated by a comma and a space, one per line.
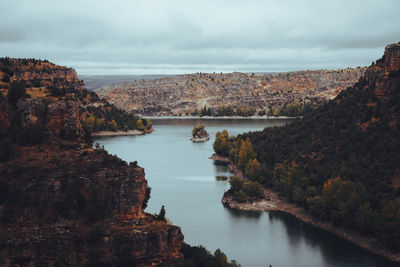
point(63, 203)
point(57, 93)
point(188, 94)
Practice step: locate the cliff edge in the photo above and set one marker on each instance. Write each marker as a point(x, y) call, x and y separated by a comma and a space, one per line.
point(62, 202)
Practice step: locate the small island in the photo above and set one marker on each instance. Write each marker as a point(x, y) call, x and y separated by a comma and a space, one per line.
point(199, 134)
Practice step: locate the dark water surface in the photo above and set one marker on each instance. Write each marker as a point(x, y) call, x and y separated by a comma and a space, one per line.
point(187, 182)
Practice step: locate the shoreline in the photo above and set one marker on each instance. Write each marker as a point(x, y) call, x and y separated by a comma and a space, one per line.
point(168, 117)
point(121, 133)
point(273, 201)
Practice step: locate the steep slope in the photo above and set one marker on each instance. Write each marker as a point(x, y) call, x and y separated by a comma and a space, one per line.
point(56, 91)
point(188, 94)
point(342, 161)
point(63, 203)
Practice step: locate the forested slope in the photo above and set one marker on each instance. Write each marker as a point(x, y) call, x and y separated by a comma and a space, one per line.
point(341, 162)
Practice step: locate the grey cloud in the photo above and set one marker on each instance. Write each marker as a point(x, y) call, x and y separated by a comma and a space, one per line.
point(182, 36)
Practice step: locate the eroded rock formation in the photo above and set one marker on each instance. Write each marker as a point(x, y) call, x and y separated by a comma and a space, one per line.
point(186, 94)
point(63, 203)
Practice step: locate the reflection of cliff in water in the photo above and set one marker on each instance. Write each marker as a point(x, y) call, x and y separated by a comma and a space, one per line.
point(299, 233)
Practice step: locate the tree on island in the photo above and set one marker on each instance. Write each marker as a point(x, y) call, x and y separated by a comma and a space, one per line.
point(197, 129)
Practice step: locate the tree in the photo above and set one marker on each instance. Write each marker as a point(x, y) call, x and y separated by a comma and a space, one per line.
point(90, 123)
point(139, 125)
point(246, 153)
point(161, 215)
point(16, 91)
point(276, 112)
point(149, 123)
point(113, 125)
point(236, 183)
point(293, 109)
point(254, 190)
point(220, 258)
point(221, 144)
point(197, 129)
point(253, 169)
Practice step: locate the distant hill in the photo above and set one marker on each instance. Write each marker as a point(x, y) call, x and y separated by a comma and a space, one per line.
point(93, 82)
point(227, 94)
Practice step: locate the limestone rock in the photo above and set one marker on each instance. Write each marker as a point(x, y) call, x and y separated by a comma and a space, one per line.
point(186, 94)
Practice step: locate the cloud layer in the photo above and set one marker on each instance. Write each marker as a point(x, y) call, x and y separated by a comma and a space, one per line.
point(139, 37)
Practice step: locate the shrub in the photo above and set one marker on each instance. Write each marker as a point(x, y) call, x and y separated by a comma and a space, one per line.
point(236, 183)
point(253, 190)
point(56, 91)
point(197, 129)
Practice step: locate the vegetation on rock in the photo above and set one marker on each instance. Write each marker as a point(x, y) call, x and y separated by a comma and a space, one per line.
point(198, 256)
point(197, 129)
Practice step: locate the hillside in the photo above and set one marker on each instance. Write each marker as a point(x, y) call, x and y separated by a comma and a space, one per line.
point(62, 202)
point(55, 91)
point(341, 162)
point(230, 94)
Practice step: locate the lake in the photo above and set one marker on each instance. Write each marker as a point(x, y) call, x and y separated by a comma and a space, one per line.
point(187, 182)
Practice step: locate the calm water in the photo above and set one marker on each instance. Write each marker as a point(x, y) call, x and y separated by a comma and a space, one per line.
point(183, 178)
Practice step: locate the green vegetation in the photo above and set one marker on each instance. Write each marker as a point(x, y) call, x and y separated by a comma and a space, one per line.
point(341, 161)
point(242, 191)
point(228, 110)
point(241, 152)
point(198, 256)
point(56, 90)
point(197, 129)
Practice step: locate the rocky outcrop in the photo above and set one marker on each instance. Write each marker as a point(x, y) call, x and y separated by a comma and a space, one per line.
point(63, 203)
point(186, 94)
point(57, 100)
point(200, 136)
point(40, 73)
point(79, 205)
point(392, 58)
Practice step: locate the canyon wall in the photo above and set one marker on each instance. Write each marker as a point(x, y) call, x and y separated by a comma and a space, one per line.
point(62, 202)
point(188, 94)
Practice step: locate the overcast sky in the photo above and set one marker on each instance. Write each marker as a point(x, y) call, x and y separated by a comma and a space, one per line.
point(141, 37)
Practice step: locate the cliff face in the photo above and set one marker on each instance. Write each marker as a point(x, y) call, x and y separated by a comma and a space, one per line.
point(40, 73)
point(63, 203)
point(68, 203)
point(58, 100)
point(184, 94)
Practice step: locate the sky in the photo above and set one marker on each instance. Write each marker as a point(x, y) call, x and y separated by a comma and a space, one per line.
point(173, 37)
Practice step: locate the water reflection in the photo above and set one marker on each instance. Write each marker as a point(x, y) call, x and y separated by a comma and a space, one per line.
point(183, 178)
point(299, 232)
point(221, 178)
point(248, 214)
